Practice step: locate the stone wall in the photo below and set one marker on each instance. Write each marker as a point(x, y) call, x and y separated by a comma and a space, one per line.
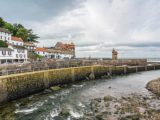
point(20, 85)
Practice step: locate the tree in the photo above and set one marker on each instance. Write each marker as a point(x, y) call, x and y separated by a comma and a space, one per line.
point(3, 44)
point(9, 27)
point(2, 22)
point(18, 30)
point(31, 36)
point(22, 33)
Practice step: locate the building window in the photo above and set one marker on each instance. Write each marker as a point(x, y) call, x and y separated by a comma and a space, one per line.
point(43, 52)
point(22, 51)
point(3, 52)
point(9, 53)
point(21, 56)
point(16, 55)
point(24, 56)
point(18, 50)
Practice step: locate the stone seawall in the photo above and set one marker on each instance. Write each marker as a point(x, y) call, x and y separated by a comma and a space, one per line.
point(20, 85)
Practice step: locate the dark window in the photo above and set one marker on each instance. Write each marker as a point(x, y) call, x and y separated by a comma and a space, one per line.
point(3, 52)
point(20, 55)
point(18, 50)
point(9, 53)
point(16, 55)
point(22, 51)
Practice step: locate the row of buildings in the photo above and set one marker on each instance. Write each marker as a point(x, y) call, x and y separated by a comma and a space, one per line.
point(18, 50)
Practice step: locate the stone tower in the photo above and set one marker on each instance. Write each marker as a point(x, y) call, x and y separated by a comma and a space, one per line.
point(114, 54)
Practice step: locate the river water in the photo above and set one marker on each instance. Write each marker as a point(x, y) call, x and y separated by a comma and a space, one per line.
point(76, 97)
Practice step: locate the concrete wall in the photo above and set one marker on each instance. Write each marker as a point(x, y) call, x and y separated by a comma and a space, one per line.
point(20, 85)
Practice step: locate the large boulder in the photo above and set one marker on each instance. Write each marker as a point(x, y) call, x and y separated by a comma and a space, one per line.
point(154, 86)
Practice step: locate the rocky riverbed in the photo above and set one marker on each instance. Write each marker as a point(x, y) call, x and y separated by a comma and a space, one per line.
point(131, 107)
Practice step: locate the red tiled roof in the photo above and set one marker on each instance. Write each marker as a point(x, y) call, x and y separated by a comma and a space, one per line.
point(41, 49)
point(17, 39)
point(65, 46)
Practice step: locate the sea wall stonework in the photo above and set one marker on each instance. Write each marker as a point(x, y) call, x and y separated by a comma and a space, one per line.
point(20, 85)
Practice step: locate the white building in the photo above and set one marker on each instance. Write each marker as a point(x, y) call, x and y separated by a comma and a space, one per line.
point(15, 53)
point(16, 41)
point(6, 55)
point(20, 53)
point(5, 35)
point(59, 54)
point(41, 51)
point(30, 46)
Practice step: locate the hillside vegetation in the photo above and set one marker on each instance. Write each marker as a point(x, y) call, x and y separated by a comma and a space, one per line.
point(19, 30)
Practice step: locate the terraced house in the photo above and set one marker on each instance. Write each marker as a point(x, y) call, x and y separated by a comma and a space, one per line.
point(59, 51)
point(5, 35)
point(14, 51)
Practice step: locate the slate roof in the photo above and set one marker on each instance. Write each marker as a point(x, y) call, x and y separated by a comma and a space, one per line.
point(5, 49)
point(4, 30)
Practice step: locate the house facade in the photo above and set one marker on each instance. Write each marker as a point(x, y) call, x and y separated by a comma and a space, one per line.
point(41, 51)
point(30, 46)
point(5, 35)
point(15, 53)
point(59, 51)
point(6, 55)
point(16, 41)
point(20, 54)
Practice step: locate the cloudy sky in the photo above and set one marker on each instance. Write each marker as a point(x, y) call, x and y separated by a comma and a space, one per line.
point(95, 26)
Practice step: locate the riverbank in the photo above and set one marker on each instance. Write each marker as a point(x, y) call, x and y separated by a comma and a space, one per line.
point(21, 85)
point(77, 97)
point(134, 106)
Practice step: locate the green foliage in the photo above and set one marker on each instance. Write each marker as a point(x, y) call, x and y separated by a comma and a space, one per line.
point(9, 27)
point(3, 44)
point(19, 30)
point(34, 56)
point(2, 22)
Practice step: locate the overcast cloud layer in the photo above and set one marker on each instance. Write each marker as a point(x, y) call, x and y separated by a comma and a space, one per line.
point(95, 26)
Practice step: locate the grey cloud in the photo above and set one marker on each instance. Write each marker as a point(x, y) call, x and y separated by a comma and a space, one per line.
point(34, 10)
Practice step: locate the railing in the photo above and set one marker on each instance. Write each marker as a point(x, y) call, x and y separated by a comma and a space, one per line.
point(46, 65)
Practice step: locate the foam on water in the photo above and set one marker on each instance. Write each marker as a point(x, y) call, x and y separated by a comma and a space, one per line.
point(26, 111)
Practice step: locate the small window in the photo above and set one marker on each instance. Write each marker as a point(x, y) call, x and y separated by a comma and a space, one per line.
point(9, 53)
point(3, 52)
point(16, 55)
point(22, 51)
point(18, 50)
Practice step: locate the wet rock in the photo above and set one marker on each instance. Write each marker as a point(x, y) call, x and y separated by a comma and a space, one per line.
point(98, 99)
point(55, 88)
point(108, 98)
point(92, 76)
point(154, 86)
point(65, 112)
point(58, 118)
